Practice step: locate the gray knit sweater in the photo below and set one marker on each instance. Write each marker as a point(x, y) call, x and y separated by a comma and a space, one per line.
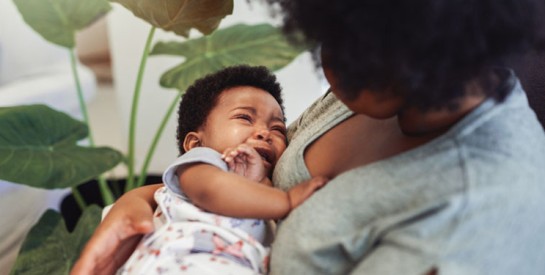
point(472, 201)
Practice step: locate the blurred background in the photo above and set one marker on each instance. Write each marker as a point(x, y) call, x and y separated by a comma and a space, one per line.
point(33, 70)
point(112, 48)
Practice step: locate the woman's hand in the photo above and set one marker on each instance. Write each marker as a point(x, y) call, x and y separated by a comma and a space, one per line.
point(116, 237)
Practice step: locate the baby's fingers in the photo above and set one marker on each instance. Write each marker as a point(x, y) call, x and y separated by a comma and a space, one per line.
point(242, 150)
point(318, 182)
point(246, 150)
point(230, 160)
point(226, 153)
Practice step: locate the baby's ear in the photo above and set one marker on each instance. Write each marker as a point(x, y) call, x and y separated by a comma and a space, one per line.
point(191, 140)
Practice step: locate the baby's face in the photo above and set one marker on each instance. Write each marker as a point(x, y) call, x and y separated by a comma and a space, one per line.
point(246, 115)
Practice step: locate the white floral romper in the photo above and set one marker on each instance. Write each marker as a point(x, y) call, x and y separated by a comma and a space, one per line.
point(189, 240)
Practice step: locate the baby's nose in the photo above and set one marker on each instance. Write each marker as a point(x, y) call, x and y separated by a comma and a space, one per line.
point(262, 134)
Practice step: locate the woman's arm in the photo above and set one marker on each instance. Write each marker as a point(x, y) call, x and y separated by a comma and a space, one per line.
point(115, 238)
point(232, 195)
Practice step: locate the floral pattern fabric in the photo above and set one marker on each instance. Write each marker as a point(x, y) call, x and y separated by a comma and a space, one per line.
point(189, 240)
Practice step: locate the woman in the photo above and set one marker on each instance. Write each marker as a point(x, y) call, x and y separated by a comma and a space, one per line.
point(435, 156)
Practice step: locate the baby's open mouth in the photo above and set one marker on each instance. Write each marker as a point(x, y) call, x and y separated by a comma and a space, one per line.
point(265, 154)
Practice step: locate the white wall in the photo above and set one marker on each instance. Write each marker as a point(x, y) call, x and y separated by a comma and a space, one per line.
point(127, 35)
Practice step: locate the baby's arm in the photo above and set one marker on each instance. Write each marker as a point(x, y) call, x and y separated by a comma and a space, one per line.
point(232, 195)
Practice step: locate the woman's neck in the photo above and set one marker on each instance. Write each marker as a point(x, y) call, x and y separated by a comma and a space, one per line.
point(414, 122)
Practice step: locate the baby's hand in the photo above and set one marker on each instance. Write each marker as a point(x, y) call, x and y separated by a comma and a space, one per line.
point(245, 161)
point(304, 190)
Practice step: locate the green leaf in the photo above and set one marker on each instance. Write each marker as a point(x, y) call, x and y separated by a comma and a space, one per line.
point(50, 249)
point(58, 20)
point(38, 148)
point(254, 45)
point(180, 16)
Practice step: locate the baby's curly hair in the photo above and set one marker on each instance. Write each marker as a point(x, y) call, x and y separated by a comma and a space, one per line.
point(201, 97)
point(424, 50)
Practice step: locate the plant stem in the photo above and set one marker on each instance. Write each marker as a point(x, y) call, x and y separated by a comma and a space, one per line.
point(106, 193)
point(81, 99)
point(79, 199)
point(155, 141)
point(134, 108)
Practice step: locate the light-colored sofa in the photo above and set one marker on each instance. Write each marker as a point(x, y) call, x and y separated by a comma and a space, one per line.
point(32, 71)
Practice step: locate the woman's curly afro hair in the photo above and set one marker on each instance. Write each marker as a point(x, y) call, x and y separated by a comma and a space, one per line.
point(201, 97)
point(424, 50)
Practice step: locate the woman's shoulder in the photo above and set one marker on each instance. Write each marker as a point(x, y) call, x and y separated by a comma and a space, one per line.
point(322, 111)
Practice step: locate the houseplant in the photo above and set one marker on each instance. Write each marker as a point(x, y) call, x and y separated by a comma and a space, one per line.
point(256, 45)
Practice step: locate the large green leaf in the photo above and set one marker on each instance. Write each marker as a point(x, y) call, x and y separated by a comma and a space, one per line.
point(50, 249)
point(180, 16)
point(58, 20)
point(38, 148)
point(255, 45)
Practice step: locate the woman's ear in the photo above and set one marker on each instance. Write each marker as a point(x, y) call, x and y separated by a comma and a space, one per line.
point(191, 140)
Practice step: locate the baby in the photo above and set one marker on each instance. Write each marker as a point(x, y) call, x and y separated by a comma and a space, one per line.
point(217, 194)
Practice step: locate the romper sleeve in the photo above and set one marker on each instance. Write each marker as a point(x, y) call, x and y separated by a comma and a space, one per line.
point(196, 155)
